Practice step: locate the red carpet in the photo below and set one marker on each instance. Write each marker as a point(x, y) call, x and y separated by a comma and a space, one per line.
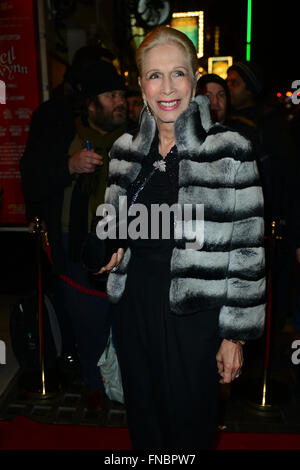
point(25, 434)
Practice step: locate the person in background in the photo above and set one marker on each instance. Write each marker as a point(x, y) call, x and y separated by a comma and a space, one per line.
point(274, 152)
point(64, 180)
point(215, 87)
point(65, 100)
point(245, 83)
point(181, 314)
point(134, 106)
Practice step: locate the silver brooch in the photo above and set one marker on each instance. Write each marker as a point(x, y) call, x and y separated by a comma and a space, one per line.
point(160, 165)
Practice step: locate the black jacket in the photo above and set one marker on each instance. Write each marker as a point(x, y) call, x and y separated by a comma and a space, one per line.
point(44, 168)
point(269, 134)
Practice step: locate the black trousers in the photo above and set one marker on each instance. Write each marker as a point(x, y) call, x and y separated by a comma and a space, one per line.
point(168, 363)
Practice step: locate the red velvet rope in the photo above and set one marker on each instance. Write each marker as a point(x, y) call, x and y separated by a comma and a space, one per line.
point(74, 284)
point(81, 288)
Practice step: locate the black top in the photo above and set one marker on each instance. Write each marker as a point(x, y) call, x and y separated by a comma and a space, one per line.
point(154, 185)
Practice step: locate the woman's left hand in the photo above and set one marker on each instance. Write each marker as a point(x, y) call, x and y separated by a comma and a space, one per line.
point(229, 361)
point(113, 263)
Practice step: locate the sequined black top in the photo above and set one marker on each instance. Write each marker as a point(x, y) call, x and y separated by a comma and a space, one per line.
point(156, 184)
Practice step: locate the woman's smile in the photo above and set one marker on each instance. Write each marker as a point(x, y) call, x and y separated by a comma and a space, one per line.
point(169, 105)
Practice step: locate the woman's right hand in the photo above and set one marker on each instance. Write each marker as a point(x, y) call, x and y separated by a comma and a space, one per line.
point(114, 261)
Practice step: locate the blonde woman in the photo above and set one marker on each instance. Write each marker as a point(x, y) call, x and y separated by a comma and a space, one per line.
point(181, 314)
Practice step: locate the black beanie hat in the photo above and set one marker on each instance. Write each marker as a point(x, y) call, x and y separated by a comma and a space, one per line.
point(83, 57)
point(250, 74)
point(100, 77)
point(213, 78)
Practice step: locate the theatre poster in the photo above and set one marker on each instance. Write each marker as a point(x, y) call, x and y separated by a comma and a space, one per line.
point(20, 96)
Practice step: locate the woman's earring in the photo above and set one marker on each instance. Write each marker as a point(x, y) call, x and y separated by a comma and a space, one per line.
point(147, 108)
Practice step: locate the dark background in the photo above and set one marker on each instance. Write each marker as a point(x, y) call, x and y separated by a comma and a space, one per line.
point(274, 31)
point(275, 27)
point(275, 48)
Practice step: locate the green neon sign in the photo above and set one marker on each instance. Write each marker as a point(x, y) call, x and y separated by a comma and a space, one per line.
point(249, 19)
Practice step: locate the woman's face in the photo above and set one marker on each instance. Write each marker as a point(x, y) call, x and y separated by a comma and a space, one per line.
point(167, 82)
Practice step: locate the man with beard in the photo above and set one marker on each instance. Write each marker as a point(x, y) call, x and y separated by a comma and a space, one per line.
point(64, 175)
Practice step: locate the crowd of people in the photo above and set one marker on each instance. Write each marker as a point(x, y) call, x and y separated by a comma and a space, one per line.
point(179, 316)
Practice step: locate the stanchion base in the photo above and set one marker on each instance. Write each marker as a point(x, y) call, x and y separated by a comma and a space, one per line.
point(32, 385)
point(276, 394)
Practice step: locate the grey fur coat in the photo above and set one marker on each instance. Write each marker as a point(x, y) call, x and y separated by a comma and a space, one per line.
point(216, 169)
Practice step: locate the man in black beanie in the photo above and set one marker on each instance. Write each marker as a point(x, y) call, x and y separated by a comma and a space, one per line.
point(215, 87)
point(244, 80)
point(103, 90)
point(64, 175)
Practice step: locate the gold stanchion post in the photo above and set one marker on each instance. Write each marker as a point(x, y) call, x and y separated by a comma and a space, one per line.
point(267, 394)
point(43, 384)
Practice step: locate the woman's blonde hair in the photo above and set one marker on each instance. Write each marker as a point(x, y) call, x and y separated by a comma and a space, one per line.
point(165, 35)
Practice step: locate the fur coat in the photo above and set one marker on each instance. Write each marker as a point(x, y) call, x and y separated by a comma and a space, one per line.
point(217, 169)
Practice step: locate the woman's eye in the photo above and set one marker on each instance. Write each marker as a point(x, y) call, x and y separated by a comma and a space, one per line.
point(153, 75)
point(179, 73)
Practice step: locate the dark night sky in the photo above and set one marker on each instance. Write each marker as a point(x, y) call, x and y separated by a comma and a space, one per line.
point(274, 34)
point(274, 31)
